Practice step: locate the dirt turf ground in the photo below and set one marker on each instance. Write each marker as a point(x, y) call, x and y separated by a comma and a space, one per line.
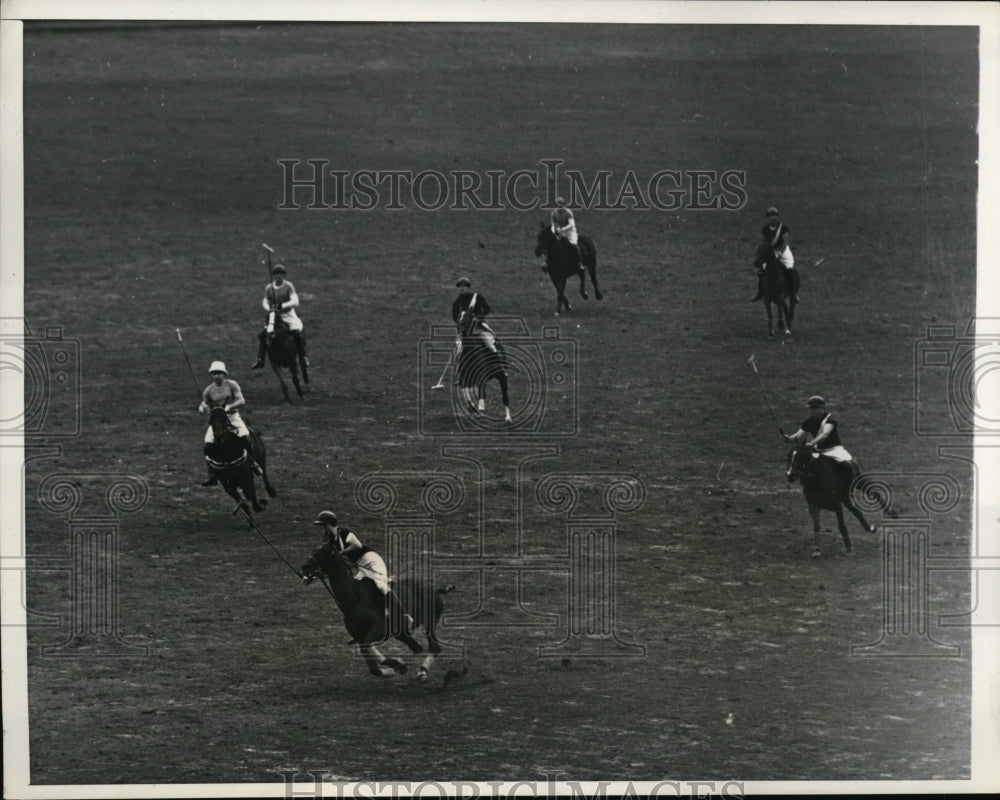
point(152, 176)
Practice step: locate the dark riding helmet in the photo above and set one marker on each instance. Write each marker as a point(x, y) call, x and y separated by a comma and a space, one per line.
point(325, 518)
point(772, 212)
point(816, 402)
point(279, 268)
point(463, 282)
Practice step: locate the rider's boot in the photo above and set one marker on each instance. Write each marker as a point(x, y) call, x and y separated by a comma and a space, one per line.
point(760, 286)
point(579, 261)
point(213, 479)
point(261, 351)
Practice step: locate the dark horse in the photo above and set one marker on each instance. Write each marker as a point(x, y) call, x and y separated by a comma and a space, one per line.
point(365, 610)
point(282, 352)
point(779, 287)
point(227, 459)
point(560, 263)
point(826, 484)
point(477, 364)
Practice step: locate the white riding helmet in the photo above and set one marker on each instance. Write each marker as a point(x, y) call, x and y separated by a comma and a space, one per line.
point(218, 366)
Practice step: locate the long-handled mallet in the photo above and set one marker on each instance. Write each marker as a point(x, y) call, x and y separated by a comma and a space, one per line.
point(269, 251)
point(188, 360)
point(440, 383)
point(752, 361)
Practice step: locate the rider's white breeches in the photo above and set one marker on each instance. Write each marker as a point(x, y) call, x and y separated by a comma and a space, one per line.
point(568, 232)
point(837, 453)
point(371, 565)
point(291, 319)
point(236, 421)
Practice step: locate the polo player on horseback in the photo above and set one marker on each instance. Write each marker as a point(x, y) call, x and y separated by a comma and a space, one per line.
point(776, 235)
point(819, 432)
point(362, 560)
point(280, 297)
point(468, 311)
point(563, 225)
point(226, 393)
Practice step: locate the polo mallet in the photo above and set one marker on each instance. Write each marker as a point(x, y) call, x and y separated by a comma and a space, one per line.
point(188, 360)
point(269, 251)
point(440, 383)
point(752, 361)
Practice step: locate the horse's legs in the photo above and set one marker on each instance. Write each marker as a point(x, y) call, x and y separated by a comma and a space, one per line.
point(592, 269)
point(814, 513)
point(502, 380)
point(281, 380)
point(378, 665)
point(842, 527)
point(561, 300)
point(770, 316)
point(250, 489)
point(294, 369)
point(583, 284)
point(861, 517)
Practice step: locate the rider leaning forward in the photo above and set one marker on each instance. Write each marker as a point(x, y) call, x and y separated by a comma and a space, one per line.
point(563, 225)
point(777, 235)
point(363, 561)
point(472, 304)
point(280, 297)
point(224, 392)
point(819, 432)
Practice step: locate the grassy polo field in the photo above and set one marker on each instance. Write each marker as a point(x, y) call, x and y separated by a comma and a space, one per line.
point(152, 176)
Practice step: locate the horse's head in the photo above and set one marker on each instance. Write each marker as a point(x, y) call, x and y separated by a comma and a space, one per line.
point(316, 565)
point(325, 559)
point(800, 460)
point(466, 323)
point(764, 257)
point(544, 237)
point(219, 421)
point(276, 326)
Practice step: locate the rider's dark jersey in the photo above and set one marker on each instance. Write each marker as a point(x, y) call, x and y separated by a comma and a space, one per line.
point(462, 303)
point(812, 427)
point(342, 542)
point(775, 233)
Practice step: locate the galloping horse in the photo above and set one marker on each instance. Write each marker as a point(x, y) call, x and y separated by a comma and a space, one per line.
point(826, 485)
point(478, 364)
point(282, 352)
point(778, 288)
point(365, 614)
point(560, 263)
point(227, 459)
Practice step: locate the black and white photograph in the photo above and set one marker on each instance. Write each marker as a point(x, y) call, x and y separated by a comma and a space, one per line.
point(499, 400)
